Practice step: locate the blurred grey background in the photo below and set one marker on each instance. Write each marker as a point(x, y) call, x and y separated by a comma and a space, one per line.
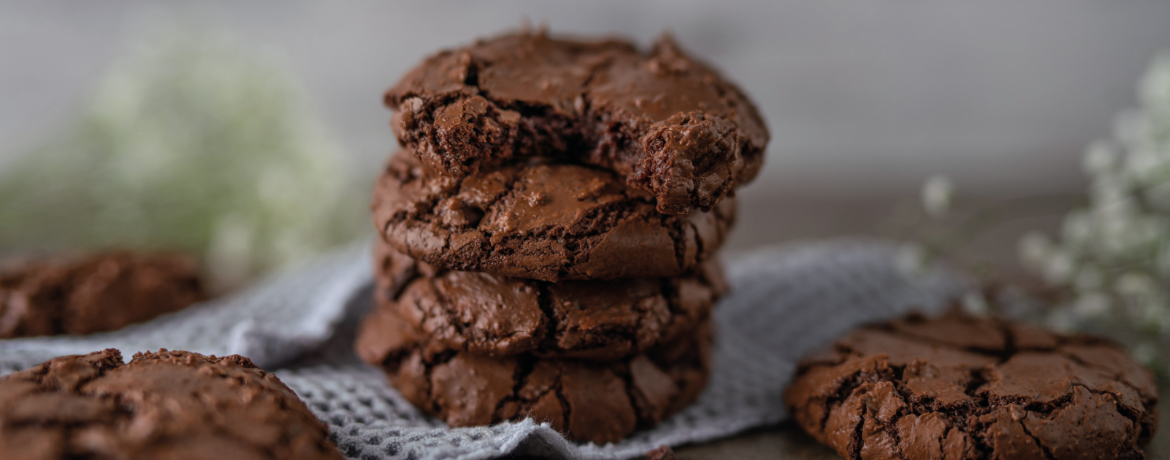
point(864, 99)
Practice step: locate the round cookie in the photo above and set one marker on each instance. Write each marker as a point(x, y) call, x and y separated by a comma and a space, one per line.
point(668, 124)
point(500, 316)
point(170, 404)
point(546, 221)
point(592, 401)
point(959, 387)
point(98, 293)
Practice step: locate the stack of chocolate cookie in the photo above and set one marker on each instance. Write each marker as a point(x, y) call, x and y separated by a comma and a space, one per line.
point(549, 231)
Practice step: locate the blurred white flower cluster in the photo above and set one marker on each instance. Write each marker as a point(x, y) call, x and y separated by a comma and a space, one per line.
point(937, 194)
point(1113, 256)
point(190, 142)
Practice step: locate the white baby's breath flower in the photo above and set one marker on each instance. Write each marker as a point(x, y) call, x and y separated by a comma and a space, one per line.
point(1059, 267)
point(1158, 195)
point(1162, 260)
point(1108, 189)
point(1121, 240)
point(1130, 127)
point(1089, 278)
point(975, 303)
point(1077, 229)
point(1134, 284)
point(1138, 236)
point(937, 194)
point(1145, 165)
point(1091, 304)
point(1100, 157)
point(1121, 207)
point(1151, 313)
point(1062, 320)
point(1154, 88)
point(1145, 353)
point(1120, 228)
point(193, 142)
point(1158, 314)
point(1034, 248)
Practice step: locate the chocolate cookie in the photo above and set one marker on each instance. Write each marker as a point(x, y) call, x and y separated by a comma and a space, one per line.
point(959, 387)
point(94, 294)
point(586, 400)
point(170, 404)
point(500, 316)
point(665, 122)
point(547, 221)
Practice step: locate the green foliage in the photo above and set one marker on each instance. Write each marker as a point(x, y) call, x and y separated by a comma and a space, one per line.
point(189, 142)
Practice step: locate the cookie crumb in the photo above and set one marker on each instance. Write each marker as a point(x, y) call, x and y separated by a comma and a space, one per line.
point(663, 452)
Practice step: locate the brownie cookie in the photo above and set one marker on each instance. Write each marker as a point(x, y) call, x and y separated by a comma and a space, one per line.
point(547, 221)
point(665, 122)
point(586, 400)
point(959, 387)
point(170, 404)
point(500, 316)
point(393, 270)
point(94, 294)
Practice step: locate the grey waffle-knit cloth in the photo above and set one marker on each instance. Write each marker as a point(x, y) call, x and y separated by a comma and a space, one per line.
point(785, 301)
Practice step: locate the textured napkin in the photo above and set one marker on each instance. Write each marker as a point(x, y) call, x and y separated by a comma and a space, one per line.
point(785, 301)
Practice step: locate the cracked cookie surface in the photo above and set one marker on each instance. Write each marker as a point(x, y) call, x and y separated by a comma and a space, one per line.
point(501, 316)
point(540, 220)
point(591, 401)
point(92, 294)
point(958, 387)
point(170, 404)
point(666, 123)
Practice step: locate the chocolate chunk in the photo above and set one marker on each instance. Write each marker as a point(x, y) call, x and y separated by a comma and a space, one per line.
point(94, 294)
point(959, 387)
point(500, 316)
point(665, 122)
point(586, 400)
point(170, 404)
point(547, 221)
